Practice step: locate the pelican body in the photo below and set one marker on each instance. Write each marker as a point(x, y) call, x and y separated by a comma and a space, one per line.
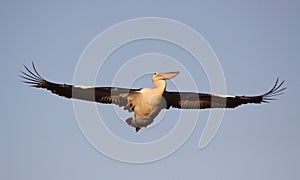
point(146, 103)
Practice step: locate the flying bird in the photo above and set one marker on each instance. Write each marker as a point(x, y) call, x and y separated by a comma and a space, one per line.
point(146, 103)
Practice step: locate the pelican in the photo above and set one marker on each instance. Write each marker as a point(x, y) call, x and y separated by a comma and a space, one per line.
point(146, 103)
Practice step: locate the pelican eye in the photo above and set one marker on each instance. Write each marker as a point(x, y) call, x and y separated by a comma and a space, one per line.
point(154, 73)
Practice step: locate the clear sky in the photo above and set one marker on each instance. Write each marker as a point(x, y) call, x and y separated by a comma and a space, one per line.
point(255, 41)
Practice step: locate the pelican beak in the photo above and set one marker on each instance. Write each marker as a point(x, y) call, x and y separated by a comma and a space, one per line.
point(168, 75)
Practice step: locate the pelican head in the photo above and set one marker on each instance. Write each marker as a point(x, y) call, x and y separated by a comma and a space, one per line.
point(159, 78)
point(164, 75)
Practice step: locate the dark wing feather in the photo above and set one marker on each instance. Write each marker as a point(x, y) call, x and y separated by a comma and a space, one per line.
point(191, 100)
point(108, 95)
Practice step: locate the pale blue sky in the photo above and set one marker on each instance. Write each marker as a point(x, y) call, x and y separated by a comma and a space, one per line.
point(256, 41)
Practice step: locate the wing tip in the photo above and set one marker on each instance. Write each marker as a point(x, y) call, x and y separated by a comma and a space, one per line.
point(276, 90)
point(31, 76)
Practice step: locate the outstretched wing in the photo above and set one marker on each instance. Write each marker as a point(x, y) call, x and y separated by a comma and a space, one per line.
point(191, 100)
point(108, 95)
